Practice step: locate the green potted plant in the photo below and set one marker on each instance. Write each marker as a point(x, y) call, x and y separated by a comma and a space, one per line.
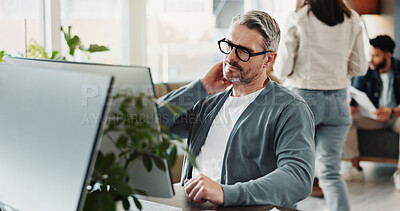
point(1, 56)
point(35, 50)
point(74, 43)
point(137, 138)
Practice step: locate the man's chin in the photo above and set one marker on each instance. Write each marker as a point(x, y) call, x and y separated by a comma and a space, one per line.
point(229, 78)
point(372, 67)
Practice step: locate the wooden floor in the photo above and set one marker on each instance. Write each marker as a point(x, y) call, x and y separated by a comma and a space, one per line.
point(377, 192)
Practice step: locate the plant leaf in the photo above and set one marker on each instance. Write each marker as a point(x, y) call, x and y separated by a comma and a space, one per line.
point(35, 50)
point(171, 157)
point(66, 36)
point(97, 48)
point(164, 146)
point(178, 108)
point(107, 203)
point(92, 201)
point(1, 56)
point(147, 162)
point(99, 160)
point(137, 203)
point(117, 170)
point(121, 187)
point(69, 31)
point(192, 159)
point(125, 203)
point(133, 156)
point(54, 55)
point(108, 161)
point(159, 162)
point(122, 142)
point(164, 128)
point(73, 43)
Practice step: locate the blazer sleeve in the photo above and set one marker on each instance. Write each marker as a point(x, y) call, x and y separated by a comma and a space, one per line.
point(185, 97)
point(295, 152)
point(287, 51)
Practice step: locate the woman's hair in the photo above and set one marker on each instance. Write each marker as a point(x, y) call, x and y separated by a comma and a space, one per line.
point(331, 12)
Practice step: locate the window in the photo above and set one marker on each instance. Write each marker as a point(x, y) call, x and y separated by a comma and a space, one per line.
point(95, 22)
point(181, 37)
point(183, 34)
point(21, 21)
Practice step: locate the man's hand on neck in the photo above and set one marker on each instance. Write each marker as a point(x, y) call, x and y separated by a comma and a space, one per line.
point(214, 80)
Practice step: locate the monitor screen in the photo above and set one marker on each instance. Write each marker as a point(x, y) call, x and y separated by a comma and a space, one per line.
point(46, 151)
point(132, 79)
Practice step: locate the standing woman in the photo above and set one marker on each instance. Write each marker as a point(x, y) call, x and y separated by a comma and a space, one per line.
point(321, 45)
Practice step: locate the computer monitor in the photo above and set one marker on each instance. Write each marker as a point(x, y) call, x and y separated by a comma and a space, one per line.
point(133, 79)
point(46, 151)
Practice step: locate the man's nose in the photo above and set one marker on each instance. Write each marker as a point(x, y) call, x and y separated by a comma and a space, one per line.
point(232, 55)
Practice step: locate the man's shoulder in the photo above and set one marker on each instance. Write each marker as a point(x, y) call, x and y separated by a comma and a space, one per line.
point(396, 64)
point(286, 103)
point(281, 90)
point(279, 95)
point(370, 73)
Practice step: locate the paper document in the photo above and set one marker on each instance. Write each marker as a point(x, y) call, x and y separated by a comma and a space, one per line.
point(366, 106)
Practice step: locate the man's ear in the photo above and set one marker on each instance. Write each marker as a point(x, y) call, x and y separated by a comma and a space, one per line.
point(388, 55)
point(270, 59)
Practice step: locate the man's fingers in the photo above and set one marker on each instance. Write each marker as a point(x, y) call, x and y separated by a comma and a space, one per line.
point(188, 186)
point(217, 69)
point(195, 190)
point(191, 184)
point(199, 196)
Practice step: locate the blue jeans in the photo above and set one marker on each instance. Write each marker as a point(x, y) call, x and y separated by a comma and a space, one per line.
point(332, 122)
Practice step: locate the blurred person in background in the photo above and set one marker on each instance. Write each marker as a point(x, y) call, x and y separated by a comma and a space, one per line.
point(321, 46)
point(382, 86)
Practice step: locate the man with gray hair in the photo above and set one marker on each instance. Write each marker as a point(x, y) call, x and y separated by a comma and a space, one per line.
point(253, 142)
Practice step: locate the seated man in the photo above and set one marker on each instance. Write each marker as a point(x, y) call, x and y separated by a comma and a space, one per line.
point(382, 86)
point(253, 143)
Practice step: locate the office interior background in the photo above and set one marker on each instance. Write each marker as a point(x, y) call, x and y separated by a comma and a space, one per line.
point(175, 38)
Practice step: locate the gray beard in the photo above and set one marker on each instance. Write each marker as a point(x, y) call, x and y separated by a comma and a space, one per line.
point(239, 80)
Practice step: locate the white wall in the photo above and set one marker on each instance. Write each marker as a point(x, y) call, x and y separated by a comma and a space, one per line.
point(379, 24)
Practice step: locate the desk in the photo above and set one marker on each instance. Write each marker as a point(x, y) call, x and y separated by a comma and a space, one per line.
point(180, 200)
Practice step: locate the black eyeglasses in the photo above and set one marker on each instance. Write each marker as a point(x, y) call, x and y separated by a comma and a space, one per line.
point(242, 53)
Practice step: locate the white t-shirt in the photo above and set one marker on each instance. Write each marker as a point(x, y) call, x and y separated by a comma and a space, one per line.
point(387, 98)
point(209, 160)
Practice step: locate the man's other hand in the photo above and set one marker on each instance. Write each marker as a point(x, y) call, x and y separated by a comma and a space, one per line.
point(383, 114)
point(214, 80)
point(201, 189)
point(354, 109)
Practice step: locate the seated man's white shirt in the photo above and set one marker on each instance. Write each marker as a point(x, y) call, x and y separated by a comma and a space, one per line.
point(387, 98)
point(209, 160)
